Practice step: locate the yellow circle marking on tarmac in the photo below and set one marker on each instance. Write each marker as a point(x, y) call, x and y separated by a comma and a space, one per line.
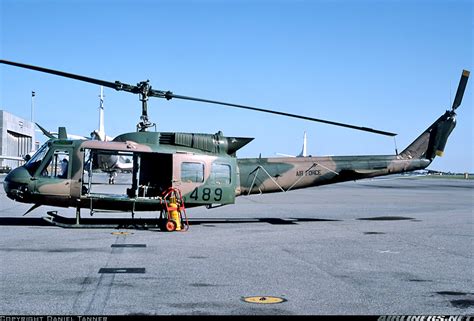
point(121, 233)
point(263, 299)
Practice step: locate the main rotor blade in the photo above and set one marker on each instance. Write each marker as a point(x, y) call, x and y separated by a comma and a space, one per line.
point(461, 88)
point(115, 85)
point(366, 129)
point(144, 89)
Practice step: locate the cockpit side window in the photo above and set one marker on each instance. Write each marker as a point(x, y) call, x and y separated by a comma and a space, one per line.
point(58, 165)
point(34, 163)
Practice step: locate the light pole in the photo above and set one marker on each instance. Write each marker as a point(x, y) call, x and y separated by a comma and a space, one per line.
point(33, 142)
point(32, 105)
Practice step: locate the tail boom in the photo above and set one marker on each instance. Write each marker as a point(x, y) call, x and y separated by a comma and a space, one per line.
point(281, 174)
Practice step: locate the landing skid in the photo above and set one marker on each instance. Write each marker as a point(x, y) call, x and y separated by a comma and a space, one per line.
point(117, 223)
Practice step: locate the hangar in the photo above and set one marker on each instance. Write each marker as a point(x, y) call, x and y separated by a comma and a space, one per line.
point(17, 136)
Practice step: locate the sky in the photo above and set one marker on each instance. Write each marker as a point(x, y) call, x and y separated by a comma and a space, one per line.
point(389, 65)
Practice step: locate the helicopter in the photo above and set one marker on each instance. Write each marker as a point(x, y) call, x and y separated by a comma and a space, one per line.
point(173, 171)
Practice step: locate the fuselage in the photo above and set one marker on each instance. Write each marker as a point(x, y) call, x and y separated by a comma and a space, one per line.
point(203, 167)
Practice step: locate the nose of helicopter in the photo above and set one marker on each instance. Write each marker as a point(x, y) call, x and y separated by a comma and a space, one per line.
point(16, 183)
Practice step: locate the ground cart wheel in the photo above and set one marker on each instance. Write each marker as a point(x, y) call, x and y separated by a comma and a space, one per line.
point(170, 226)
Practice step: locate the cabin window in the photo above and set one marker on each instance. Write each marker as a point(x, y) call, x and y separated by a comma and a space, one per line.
point(192, 172)
point(220, 174)
point(58, 165)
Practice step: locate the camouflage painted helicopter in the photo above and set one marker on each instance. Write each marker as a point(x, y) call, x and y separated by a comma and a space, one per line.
point(197, 169)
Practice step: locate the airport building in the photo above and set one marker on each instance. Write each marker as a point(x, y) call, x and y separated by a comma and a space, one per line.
point(17, 137)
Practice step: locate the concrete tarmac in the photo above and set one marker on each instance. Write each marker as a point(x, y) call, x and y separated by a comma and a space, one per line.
point(376, 247)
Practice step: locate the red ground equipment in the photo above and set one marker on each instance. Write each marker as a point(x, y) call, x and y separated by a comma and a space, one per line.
point(175, 213)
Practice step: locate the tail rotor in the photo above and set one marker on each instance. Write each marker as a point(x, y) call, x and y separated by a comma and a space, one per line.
point(432, 141)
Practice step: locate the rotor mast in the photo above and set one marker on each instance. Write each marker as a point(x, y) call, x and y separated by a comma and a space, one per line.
point(143, 90)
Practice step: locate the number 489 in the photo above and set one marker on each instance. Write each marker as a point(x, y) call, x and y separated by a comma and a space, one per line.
point(205, 194)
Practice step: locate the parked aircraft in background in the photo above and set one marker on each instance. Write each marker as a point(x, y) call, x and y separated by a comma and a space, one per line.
point(303, 152)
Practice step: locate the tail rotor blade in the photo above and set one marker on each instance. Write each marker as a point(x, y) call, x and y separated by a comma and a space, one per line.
point(461, 88)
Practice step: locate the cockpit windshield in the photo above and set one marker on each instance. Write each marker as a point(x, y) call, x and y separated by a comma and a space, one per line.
point(35, 161)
